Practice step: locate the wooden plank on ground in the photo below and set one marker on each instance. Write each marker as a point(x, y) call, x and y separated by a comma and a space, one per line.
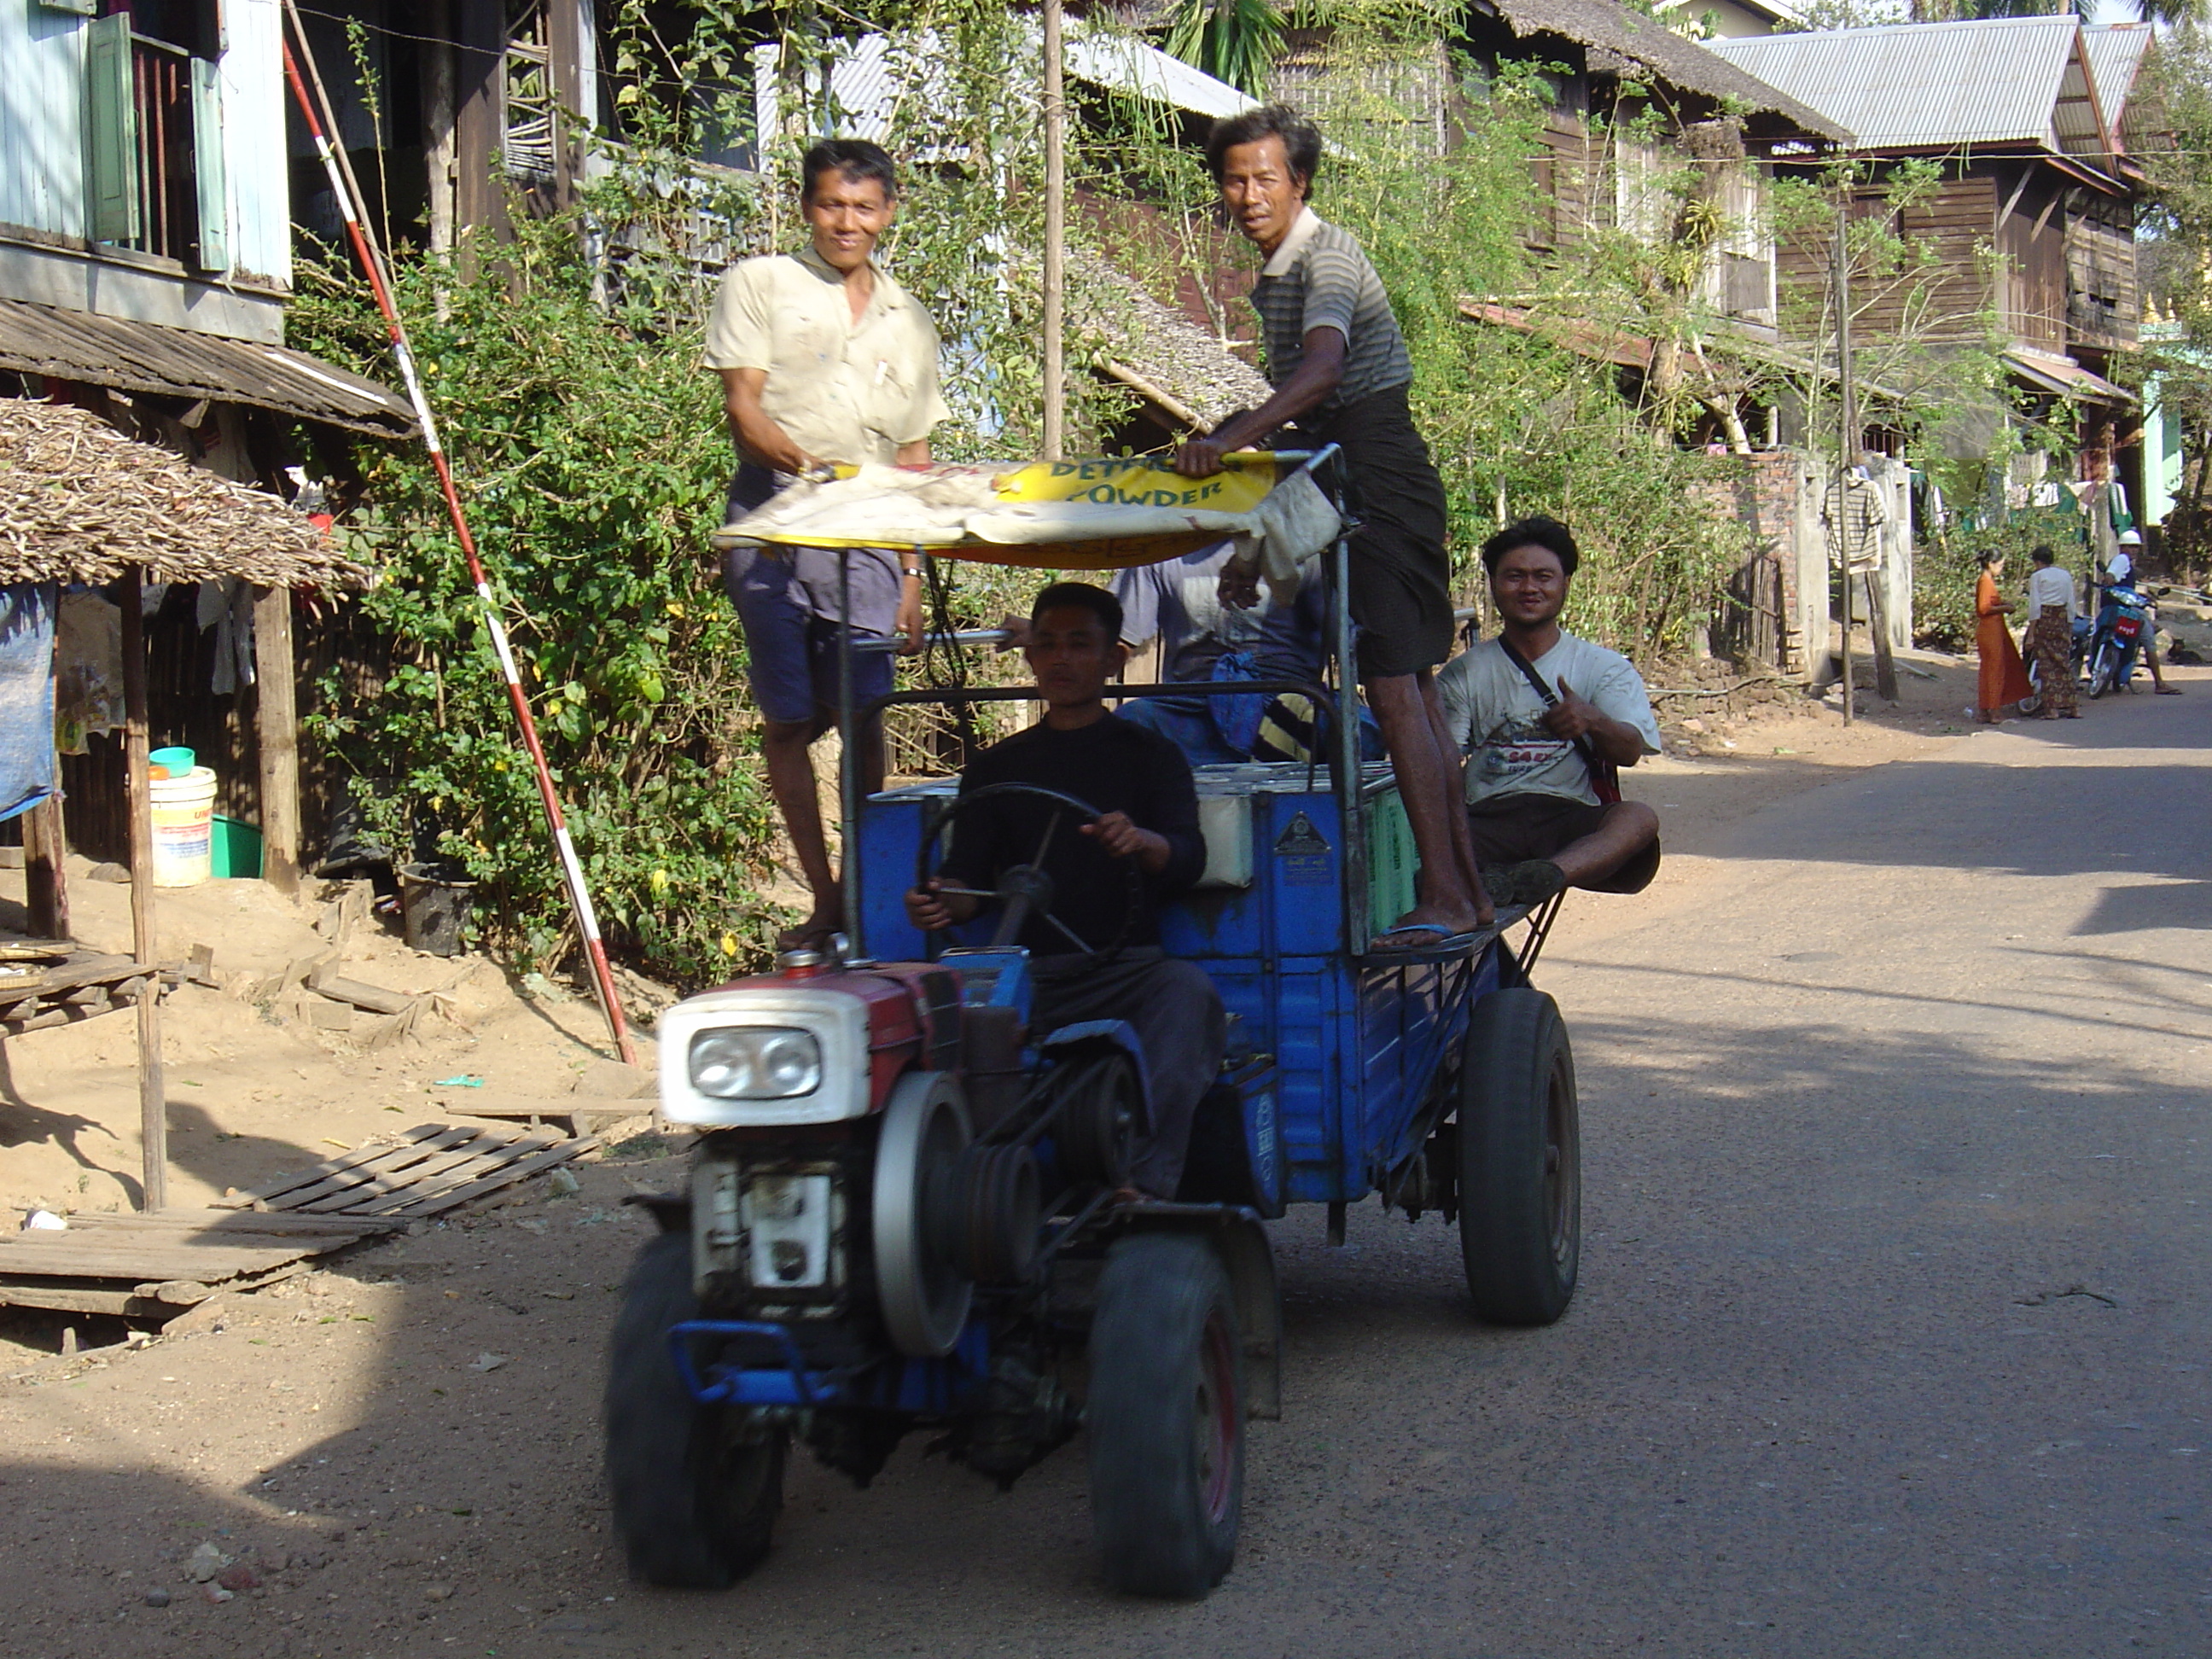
point(486, 1148)
point(508, 1175)
point(68, 1257)
point(260, 1223)
point(462, 1166)
point(277, 1186)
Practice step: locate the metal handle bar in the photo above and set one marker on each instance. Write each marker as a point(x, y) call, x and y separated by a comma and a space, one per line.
point(878, 646)
point(1322, 698)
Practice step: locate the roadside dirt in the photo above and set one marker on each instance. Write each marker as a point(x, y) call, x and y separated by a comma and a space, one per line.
point(398, 1454)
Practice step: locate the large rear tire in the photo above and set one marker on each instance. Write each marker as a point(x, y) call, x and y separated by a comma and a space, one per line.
point(696, 1488)
point(1165, 1419)
point(1520, 1153)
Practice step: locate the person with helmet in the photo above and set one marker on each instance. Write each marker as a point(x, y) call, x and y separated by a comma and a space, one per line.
point(2120, 572)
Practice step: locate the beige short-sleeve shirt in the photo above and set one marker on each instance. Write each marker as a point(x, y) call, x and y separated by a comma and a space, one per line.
point(843, 389)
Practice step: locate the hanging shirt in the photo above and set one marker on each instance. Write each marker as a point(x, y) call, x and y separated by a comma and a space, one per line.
point(842, 388)
point(1497, 720)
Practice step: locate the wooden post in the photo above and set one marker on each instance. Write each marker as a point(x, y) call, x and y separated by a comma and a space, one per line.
point(479, 128)
point(1847, 448)
point(1055, 237)
point(437, 122)
point(153, 1096)
point(276, 722)
point(46, 883)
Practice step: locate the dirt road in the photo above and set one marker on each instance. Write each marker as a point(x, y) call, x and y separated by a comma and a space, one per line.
point(1891, 1339)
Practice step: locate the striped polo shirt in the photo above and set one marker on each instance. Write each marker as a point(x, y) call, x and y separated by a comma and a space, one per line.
point(1320, 278)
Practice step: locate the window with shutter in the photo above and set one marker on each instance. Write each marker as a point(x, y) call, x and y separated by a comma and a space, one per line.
point(214, 249)
point(111, 147)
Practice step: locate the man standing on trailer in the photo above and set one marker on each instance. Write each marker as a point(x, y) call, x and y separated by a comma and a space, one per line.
point(824, 360)
point(1340, 368)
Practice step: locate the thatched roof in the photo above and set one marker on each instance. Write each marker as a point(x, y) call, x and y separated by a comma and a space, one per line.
point(1157, 352)
point(81, 503)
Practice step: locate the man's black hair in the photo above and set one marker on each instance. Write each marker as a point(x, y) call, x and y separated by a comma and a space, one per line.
point(1301, 140)
point(1537, 532)
point(2044, 556)
point(1080, 596)
point(852, 158)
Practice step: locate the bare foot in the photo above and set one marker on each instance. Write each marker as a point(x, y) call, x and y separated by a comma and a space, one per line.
point(812, 934)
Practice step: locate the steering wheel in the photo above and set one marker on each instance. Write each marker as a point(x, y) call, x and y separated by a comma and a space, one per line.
point(1025, 890)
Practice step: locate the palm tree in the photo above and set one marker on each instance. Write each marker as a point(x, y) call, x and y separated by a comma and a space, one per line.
point(1233, 40)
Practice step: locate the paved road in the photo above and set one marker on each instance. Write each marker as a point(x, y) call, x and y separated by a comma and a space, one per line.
point(1892, 1336)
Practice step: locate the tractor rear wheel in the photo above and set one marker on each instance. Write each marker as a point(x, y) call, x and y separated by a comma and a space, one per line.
point(1520, 1160)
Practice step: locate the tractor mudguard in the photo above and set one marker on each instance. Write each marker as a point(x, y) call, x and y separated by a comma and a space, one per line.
point(1113, 1034)
point(1241, 1241)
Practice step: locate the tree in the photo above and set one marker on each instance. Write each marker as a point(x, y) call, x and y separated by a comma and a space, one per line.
point(2178, 236)
point(1233, 40)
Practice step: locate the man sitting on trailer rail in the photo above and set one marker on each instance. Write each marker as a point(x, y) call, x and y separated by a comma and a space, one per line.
point(1148, 813)
point(1546, 719)
point(823, 360)
point(1338, 363)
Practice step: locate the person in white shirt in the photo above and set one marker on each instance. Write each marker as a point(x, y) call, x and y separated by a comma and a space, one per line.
point(1545, 720)
point(2050, 634)
point(2120, 572)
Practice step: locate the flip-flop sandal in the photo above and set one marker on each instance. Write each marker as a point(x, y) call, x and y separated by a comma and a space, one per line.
point(1446, 938)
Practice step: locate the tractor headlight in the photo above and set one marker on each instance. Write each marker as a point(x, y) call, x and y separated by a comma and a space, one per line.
point(755, 1062)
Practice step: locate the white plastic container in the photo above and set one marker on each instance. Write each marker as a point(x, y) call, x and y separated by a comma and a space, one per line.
point(184, 827)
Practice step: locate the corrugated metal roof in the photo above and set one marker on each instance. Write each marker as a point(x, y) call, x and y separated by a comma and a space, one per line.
point(869, 78)
point(2115, 55)
point(1647, 43)
point(2003, 81)
point(175, 363)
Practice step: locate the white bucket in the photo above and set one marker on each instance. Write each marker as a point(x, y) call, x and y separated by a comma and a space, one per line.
point(184, 827)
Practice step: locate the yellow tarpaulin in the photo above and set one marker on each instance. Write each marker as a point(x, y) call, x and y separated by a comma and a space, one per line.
point(1056, 515)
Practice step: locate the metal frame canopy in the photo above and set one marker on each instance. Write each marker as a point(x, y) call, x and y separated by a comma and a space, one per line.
point(1103, 514)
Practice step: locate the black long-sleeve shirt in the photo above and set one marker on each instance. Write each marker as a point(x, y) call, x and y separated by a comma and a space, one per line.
point(1108, 764)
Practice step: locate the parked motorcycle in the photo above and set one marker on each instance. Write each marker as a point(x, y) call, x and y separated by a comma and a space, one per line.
point(2122, 631)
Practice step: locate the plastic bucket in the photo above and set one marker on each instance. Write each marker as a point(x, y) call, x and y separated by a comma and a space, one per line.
point(184, 815)
point(235, 848)
point(434, 906)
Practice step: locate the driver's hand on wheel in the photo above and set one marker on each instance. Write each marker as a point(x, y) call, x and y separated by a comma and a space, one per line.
point(927, 909)
point(1122, 838)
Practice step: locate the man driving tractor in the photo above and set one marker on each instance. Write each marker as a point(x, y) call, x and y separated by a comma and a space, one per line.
point(1094, 932)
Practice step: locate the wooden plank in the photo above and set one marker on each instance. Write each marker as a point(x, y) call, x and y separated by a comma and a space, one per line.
point(273, 1223)
point(522, 1171)
point(83, 1298)
point(369, 1182)
point(75, 975)
point(462, 1165)
point(65, 1258)
point(277, 1186)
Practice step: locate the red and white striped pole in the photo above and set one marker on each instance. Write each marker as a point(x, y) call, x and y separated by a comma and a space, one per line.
point(572, 871)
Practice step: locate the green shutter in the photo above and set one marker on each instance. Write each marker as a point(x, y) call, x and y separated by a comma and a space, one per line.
point(111, 129)
point(207, 166)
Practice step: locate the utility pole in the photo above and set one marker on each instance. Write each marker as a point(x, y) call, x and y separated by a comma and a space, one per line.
point(1847, 437)
point(1055, 236)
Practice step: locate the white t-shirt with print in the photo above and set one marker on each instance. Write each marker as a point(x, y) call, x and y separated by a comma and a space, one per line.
point(1497, 718)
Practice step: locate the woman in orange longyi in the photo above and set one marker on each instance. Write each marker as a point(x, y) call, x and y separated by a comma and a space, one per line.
point(2004, 686)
